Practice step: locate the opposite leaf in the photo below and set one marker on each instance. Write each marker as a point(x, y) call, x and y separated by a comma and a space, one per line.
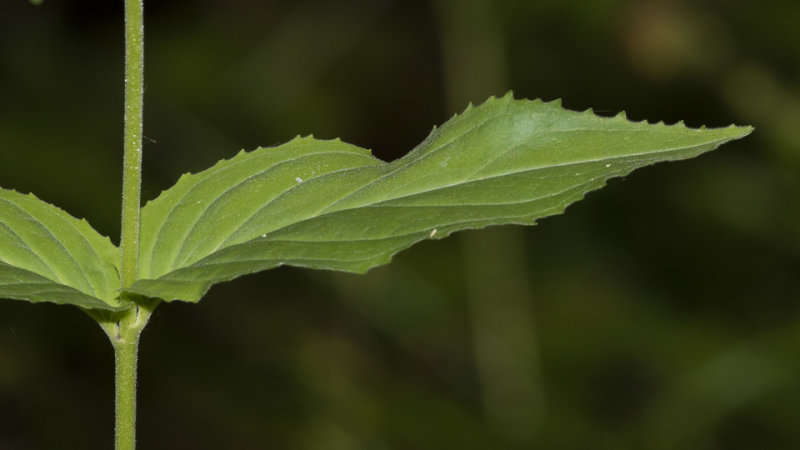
point(46, 255)
point(331, 205)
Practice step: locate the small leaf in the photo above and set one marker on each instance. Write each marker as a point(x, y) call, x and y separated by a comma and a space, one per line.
point(46, 255)
point(331, 205)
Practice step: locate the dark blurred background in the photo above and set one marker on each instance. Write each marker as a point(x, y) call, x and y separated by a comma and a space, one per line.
point(659, 313)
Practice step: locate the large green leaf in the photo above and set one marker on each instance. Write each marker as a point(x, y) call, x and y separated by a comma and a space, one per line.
point(46, 255)
point(331, 205)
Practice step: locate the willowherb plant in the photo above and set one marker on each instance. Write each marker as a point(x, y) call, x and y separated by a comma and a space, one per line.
point(322, 204)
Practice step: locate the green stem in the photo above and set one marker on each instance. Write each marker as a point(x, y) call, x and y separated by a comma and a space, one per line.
point(125, 332)
point(124, 336)
point(125, 358)
point(132, 164)
point(124, 329)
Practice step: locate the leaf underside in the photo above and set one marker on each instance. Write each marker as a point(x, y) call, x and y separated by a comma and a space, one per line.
point(331, 205)
point(46, 255)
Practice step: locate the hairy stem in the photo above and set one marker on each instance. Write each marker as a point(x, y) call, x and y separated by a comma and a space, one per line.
point(125, 431)
point(124, 335)
point(125, 355)
point(125, 332)
point(132, 164)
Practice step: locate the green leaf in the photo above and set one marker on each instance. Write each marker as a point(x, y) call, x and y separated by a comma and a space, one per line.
point(46, 255)
point(331, 205)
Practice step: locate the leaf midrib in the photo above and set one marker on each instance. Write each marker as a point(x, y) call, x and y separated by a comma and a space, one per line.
point(642, 156)
point(326, 209)
point(201, 264)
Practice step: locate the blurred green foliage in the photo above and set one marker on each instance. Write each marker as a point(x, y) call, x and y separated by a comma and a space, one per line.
point(659, 313)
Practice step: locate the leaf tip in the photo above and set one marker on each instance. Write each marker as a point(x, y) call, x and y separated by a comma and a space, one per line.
point(743, 130)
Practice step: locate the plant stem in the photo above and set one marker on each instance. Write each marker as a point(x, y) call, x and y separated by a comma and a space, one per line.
point(132, 164)
point(125, 332)
point(124, 335)
point(125, 359)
